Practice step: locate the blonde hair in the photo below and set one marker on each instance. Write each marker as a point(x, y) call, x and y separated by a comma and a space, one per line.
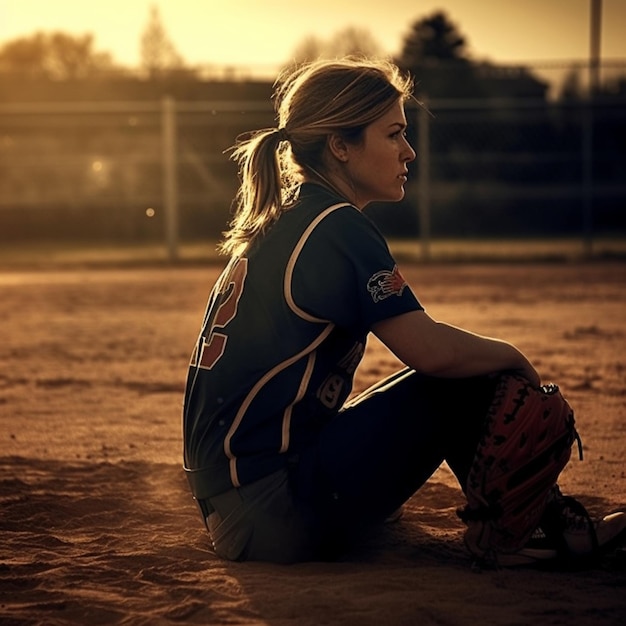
point(311, 102)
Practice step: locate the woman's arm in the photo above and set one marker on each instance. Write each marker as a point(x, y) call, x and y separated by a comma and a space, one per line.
point(439, 349)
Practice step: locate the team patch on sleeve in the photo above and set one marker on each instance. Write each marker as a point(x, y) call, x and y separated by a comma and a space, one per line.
point(386, 283)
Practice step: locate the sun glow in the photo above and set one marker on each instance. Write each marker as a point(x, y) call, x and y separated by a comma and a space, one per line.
point(260, 34)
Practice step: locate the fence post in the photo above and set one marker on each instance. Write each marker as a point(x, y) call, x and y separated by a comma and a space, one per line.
point(587, 178)
point(588, 123)
point(423, 178)
point(170, 182)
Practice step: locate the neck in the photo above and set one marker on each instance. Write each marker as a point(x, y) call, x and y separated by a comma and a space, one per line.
point(334, 183)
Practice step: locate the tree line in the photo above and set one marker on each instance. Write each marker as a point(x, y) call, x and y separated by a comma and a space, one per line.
point(494, 167)
point(434, 50)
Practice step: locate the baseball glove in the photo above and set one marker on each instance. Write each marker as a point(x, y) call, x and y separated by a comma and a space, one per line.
point(526, 443)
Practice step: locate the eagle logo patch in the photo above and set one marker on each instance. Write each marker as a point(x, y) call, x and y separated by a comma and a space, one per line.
point(386, 283)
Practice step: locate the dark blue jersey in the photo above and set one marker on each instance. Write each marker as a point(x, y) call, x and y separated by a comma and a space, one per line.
point(284, 331)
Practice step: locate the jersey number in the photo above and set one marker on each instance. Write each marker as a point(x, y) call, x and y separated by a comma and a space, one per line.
point(215, 342)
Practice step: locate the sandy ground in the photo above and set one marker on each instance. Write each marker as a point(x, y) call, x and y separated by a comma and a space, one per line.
point(97, 525)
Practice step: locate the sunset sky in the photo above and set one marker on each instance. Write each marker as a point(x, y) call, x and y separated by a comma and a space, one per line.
point(263, 34)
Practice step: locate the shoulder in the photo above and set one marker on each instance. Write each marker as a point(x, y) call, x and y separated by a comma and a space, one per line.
point(347, 228)
point(322, 206)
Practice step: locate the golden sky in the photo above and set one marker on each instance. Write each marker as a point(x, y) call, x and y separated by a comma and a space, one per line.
point(264, 33)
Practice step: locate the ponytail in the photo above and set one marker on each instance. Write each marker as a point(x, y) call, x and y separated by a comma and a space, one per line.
point(260, 197)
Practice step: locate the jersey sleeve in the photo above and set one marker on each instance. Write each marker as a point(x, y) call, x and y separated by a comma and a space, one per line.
point(346, 274)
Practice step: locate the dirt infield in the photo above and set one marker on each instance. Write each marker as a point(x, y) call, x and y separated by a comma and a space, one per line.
point(96, 522)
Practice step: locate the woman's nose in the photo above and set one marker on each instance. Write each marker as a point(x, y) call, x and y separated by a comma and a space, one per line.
point(409, 153)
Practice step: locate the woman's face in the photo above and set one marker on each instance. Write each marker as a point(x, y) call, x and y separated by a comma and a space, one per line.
point(376, 168)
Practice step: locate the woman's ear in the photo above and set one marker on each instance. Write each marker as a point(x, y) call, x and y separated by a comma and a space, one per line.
point(338, 147)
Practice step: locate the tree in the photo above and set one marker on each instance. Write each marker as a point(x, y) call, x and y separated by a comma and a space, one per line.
point(347, 42)
point(353, 41)
point(572, 88)
point(309, 49)
point(158, 54)
point(56, 56)
point(433, 40)
point(434, 51)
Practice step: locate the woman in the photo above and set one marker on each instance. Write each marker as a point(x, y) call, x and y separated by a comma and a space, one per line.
point(284, 469)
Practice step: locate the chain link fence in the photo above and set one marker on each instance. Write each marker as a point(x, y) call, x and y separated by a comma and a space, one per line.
point(159, 171)
point(111, 172)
